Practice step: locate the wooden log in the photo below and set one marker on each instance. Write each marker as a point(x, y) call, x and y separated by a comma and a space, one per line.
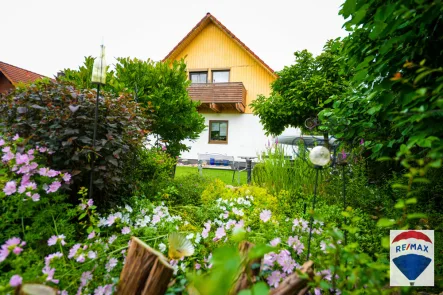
point(293, 284)
point(247, 275)
point(35, 289)
point(214, 107)
point(146, 271)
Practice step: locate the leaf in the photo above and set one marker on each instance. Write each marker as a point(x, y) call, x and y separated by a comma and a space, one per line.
point(384, 222)
point(259, 251)
point(349, 7)
point(411, 201)
point(260, 288)
point(416, 216)
point(400, 204)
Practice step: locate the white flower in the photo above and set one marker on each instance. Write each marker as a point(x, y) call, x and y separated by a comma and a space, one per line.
point(190, 236)
point(128, 208)
point(197, 238)
point(162, 247)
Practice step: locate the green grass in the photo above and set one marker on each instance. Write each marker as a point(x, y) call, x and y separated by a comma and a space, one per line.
point(223, 175)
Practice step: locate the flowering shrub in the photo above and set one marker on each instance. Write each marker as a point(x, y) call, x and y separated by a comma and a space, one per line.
point(59, 117)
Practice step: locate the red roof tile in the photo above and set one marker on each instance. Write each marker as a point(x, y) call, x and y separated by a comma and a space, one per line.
point(15, 74)
point(201, 24)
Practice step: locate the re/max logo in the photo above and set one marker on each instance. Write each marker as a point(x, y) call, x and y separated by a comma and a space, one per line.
point(406, 247)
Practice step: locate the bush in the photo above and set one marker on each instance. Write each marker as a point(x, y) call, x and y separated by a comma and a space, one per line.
point(151, 170)
point(61, 118)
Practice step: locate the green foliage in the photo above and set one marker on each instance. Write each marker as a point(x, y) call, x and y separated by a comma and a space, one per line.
point(163, 85)
point(61, 118)
point(160, 87)
point(395, 105)
point(302, 90)
point(151, 169)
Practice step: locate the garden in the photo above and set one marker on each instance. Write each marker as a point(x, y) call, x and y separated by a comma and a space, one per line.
point(377, 91)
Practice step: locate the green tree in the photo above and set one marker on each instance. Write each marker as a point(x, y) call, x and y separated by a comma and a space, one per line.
point(395, 106)
point(163, 86)
point(302, 90)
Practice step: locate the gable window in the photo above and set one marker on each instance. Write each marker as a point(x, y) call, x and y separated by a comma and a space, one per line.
point(198, 77)
point(218, 131)
point(220, 76)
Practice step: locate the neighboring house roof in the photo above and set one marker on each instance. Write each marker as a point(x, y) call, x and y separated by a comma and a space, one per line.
point(15, 74)
point(200, 26)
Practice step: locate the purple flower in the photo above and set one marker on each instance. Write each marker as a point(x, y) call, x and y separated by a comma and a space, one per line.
point(54, 239)
point(43, 171)
point(91, 235)
point(49, 272)
point(16, 137)
point(274, 279)
point(220, 233)
point(53, 187)
point(111, 264)
point(285, 260)
point(155, 219)
point(8, 156)
point(35, 197)
point(269, 259)
point(92, 255)
point(112, 239)
point(52, 173)
point(2, 142)
point(343, 155)
point(90, 202)
point(50, 257)
point(73, 250)
point(66, 177)
point(15, 281)
point(265, 215)
point(42, 149)
point(126, 230)
point(103, 290)
point(10, 188)
point(275, 242)
point(21, 159)
point(197, 266)
point(80, 258)
point(362, 141)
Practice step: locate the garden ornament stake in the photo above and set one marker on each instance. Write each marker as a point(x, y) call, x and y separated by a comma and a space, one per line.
point(99, 78)
point(320, 157)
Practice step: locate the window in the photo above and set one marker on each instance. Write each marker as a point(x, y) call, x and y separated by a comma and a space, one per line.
point(220, 76)
point(198, 77)
point(218, 131)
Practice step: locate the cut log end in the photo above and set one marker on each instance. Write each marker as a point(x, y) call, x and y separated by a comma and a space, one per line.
point(35, 289)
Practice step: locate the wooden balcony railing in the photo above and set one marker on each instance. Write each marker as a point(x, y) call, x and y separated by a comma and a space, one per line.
point(219, 96)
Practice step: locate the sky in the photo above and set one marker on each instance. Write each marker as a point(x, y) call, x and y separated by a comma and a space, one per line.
point(47, 36)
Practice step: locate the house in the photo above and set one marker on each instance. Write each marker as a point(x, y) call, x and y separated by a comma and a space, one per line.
point(226, 76)
point(11, 75)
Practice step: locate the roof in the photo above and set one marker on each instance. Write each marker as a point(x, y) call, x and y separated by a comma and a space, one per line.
point(200, 26)
point(15, 74)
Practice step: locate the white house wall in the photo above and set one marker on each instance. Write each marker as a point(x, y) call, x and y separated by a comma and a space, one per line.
point(246, 137)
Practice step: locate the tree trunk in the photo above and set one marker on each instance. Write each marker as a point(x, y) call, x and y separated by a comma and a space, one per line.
point(35, 289)
point(247, 275)
point(293, 284)
point(146, 271)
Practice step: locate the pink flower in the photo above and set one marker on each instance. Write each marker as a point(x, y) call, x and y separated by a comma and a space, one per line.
point(8, 156)
point(2, 142)
point(15, 281)
point(362, 141)
point(275, 242)
point(220, 233)
point(54, 187)
point(285, 261)
point(73, 250)
point(274, 279)
point(10, 188)
point(21, 159)
point(43, 171)
point(112, 239)
point(54, 239)
point(197, 266)
point(155, 219)
point(91, 235)
point(52, 173)
point(49, 272)
point(50, 257)
point(16, 137)
point(126, 230)
point(105, 290)
point(90, 202)
point(66, 177)
point(80, 258)
point(265, 215)
point(42, 149)
point(35, 197)
point(111, 264)
point(92, 255)
point(269, 259)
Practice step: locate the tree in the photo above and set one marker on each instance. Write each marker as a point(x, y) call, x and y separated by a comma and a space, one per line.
point(302, 90)
point(163, 86)
point(395, 106)
point(160, 87)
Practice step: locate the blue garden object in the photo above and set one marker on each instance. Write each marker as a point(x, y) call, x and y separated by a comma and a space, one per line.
point(212, 161)
point(412, 265)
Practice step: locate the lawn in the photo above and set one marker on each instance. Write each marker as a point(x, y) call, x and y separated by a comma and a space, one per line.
point(223, 175)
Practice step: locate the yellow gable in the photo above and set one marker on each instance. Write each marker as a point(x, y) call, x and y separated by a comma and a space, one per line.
point(212, 47)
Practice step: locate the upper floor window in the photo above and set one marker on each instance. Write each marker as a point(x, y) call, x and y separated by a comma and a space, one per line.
point(198, 77)
point(220, 76)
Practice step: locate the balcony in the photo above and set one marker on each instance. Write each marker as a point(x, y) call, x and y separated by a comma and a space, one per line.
point(219, 97)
